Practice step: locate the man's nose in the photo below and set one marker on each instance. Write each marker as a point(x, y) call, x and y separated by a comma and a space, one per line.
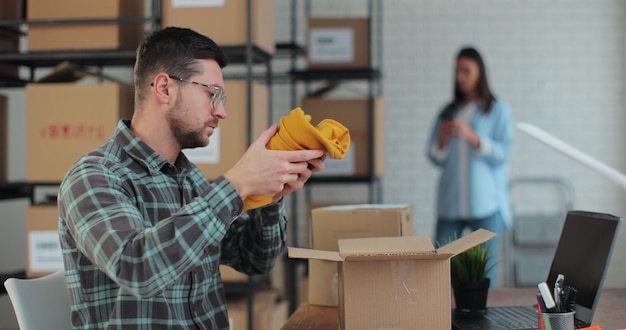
point(220, 111)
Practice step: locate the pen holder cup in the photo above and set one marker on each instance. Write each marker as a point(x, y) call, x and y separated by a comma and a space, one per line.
point(556, 321)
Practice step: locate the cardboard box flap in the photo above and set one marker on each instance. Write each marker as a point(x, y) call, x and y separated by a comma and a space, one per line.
point(470, 240)
point(385, 246)
point(299, 253)
point(349, 207)
point(396, 256)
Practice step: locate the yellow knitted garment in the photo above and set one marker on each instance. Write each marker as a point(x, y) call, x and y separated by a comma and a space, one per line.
point(295, 132)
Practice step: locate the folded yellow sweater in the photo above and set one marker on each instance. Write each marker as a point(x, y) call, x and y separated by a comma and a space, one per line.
point(295, 132)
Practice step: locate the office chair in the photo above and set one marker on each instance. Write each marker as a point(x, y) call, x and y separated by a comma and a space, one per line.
point(40, 303)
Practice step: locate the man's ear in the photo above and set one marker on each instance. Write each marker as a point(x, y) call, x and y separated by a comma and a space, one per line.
point(162, 87)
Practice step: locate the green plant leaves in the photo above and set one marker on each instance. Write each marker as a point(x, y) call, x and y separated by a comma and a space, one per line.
point(470, 265)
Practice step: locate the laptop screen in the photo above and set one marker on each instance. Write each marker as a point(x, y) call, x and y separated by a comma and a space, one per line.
point(583, 255)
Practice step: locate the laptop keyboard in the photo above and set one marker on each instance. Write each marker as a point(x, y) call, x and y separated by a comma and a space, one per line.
point(502, 318)
point(520, 318)
point(580, 324)
point(517, 318)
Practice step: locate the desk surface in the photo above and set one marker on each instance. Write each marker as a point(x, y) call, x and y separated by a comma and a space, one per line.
point(610, 313)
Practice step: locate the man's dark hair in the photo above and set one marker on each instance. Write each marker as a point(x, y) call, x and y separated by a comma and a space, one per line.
point(485, 96)
point(175, 51)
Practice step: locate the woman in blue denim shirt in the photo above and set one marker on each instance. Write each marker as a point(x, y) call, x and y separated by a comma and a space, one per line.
point(470, 142)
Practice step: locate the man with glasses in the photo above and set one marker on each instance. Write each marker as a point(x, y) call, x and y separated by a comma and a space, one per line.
point(143, 232)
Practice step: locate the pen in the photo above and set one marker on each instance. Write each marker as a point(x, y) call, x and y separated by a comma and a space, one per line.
point(569, 294)
point(558, 293)
point(546, 296)
point(541, 305)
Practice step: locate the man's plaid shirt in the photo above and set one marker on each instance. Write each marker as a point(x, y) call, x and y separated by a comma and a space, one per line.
point(143, 239)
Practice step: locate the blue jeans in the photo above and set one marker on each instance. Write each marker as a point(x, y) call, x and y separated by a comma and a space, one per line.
point(447, 228)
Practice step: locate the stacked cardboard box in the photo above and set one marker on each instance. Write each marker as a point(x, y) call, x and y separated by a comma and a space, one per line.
point(84, 36)
point(354, 114)
point(339, 43)
point(269, 311)
point(393, 282)
point(330, 224)
point(65, 121)
point(43, 248)
point(225, 22)
point(229, 142)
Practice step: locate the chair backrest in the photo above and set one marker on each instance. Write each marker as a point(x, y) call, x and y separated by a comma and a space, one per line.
point(41, 303)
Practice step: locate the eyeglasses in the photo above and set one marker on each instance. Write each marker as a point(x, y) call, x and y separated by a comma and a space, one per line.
point(217, 92)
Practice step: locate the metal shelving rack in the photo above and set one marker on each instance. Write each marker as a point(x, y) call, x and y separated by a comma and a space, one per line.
point(292, 50)
point(249, 55)
point(535, 233)
point(100, 58)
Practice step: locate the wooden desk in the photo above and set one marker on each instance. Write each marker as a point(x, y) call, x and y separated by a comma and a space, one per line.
point(610, 313)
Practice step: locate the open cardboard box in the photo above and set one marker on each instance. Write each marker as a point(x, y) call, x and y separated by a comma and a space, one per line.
point(332, 223)
point(394, 282)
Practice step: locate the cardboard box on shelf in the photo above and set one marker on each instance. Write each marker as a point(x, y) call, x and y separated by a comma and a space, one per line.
point(43, 248)
point(229, 142)
point(225, 22)
point(307, 231)
point(338, 43)
point(353, 113)
point(269, 311)
point(330, 224)
point(394, 282)
point(65, 121)
point(84, 36)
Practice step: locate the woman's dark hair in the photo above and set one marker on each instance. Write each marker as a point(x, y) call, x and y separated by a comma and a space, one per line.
point(485, 96)
point(175, 51)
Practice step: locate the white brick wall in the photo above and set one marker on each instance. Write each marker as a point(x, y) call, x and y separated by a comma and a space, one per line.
point(559, 64)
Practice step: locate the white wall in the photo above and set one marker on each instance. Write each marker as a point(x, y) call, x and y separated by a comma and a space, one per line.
point(559, 64)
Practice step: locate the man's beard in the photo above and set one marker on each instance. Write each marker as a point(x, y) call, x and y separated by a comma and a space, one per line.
point(185, 137)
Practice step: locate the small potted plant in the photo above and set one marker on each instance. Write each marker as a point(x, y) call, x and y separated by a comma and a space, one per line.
point(469, 282)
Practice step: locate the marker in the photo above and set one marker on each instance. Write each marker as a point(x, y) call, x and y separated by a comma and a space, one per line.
point(547, 297)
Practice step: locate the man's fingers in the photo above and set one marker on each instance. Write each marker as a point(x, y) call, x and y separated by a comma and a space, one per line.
point(316, 165)
point(266, 136)
point(305, 176)
point(297, 168)
point(296, 181)
point(300, 155)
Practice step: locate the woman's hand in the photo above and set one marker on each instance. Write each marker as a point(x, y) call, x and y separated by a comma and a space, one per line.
point(445, 132)
point(462, 130)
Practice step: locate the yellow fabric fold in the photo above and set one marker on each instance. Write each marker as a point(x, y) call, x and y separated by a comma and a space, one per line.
point(295, 132)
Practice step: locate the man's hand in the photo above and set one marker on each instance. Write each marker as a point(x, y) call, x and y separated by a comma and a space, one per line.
point(315, 165)
point(261, 171)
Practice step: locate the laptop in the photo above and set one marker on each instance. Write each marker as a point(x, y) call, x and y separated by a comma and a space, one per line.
point(582, 256)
